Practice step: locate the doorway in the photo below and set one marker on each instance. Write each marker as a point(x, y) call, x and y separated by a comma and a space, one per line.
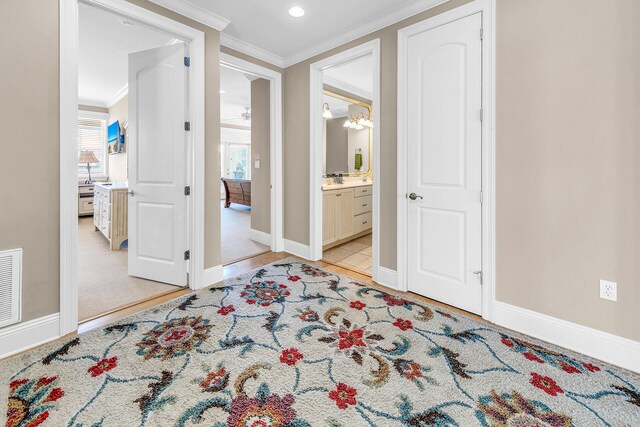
point(156, 180)
point(345, 159)
point(250, 159)
point(445, 219)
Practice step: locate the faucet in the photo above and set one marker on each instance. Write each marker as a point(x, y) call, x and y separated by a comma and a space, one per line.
point(338, 179)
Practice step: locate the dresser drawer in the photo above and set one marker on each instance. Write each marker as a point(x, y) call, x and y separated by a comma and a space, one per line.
point(85, 206)
point(105, 228)
point(361, 222)
point(362, 205)
point(106, 211)
point(85, 190)
point(363, 191)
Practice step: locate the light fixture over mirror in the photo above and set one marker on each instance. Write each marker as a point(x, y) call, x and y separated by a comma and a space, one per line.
point(358, 122)
point(326, 111)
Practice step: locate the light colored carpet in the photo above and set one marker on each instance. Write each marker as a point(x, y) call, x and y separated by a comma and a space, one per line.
point(235, 225)
point(103, 281)
point(291, 345)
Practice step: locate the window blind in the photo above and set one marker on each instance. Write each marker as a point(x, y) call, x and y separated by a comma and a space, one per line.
point(92, 136)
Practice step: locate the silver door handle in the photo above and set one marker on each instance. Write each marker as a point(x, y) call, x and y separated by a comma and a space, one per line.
point(131, 193)
point(414, 196)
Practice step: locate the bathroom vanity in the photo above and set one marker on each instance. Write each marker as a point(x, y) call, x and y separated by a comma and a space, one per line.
point(346, 212)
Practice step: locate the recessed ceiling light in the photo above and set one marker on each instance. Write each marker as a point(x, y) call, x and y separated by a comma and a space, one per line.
point(223, 91)
point(126, 23)
point(296, 12)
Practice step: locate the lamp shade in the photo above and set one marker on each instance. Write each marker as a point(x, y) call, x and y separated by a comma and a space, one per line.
point(87, 156)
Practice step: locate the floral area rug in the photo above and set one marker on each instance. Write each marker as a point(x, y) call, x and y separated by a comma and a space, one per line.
point(292, 345)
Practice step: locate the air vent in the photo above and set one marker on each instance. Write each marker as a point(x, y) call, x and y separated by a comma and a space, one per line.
point(10, 286)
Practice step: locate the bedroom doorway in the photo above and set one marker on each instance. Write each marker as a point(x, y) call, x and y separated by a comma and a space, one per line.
point(250, 169)
point(128, 159)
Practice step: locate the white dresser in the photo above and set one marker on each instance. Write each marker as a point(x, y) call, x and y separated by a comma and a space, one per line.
point(110, 211)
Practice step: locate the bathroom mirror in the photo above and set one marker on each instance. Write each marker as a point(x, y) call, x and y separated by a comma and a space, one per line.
point(348, 119)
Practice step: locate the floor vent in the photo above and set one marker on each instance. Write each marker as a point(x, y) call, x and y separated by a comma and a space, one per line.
point(10, 286)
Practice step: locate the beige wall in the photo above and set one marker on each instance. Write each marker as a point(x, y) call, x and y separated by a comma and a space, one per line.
point(118, 162)
point(29, 217)
point(296, 137)
point(568, 159)
point(260, 148)
point(29, 112)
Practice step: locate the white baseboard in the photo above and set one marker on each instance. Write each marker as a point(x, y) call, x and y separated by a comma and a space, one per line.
point(387, 277)
point(297, 249)
point(23, 336)
point(260, 237)
point(211, 276)
point(610, 348)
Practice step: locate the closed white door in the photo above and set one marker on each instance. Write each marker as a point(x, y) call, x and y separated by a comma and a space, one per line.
point(444, 163)
point(158, 167)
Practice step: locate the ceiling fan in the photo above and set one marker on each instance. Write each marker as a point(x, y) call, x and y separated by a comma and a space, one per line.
point(246, 115)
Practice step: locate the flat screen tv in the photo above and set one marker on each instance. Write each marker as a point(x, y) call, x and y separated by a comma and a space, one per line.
point(113, 137)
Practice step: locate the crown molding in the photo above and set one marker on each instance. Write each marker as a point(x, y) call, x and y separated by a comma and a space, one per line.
point(92, 103)
point(251, 50)
point(330, 81)
point(124, 91)
point(383, 20)
point(195, 12)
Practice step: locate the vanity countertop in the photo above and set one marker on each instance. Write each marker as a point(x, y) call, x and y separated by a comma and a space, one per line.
point(347, 184)
point(113, 185)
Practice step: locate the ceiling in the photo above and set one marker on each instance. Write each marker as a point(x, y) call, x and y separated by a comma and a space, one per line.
point(355, 76)
point(268, 26)
point(236, 97)
point(104, 45)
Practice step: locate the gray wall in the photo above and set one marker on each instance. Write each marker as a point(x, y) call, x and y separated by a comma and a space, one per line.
point(29, 115)
point(29, 216)
point(568, 159)
point(337, 145)
point(261, 146)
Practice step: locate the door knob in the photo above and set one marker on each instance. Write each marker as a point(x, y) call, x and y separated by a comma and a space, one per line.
point(131, 193)
point(414, 196)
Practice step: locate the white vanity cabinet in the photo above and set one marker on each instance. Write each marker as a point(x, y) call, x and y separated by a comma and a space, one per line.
point(110, 212)
point(346, 213)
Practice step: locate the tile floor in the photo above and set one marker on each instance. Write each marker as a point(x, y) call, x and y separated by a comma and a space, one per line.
point(354, 255)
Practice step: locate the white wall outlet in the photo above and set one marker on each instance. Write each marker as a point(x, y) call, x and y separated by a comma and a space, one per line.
point(257, 164)
point(608, 290)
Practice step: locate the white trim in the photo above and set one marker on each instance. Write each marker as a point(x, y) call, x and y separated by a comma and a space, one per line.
point(488, 146)
point(92, 103)
point(124, 91)
point(29, 334)
point(347, 87)
point(251, 50)
point(601, 345)
point(275, 145)
point(385, 19)
point(195, 12)
point(211, 276)
point(94, 115)
point(260, 236)
point(297, 249)
point(387, 277)
point(68, 149)
point(316, 143)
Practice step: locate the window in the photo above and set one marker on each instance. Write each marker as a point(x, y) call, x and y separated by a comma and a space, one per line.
point(92, 136)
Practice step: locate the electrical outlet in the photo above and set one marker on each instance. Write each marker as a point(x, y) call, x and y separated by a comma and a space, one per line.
point(608, 290)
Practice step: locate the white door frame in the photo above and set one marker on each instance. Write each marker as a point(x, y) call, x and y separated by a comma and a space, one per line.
point(69, 149)
point(487, 7)
point(275, 143)
point(316, 147)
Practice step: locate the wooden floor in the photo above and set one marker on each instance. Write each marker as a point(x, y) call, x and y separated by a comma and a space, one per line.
point(244, 266)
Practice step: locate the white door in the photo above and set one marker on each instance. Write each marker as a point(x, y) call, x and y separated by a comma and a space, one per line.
point(158, 167)
point(444, 163)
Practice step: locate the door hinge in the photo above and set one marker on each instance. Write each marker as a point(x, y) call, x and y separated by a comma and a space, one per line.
point(187, 255)
point(187, 61)
point(187, 126)
point(481, 33)
point(187, 190)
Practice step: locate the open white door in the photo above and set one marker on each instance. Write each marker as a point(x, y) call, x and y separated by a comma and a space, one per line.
point(158, 164)
point(444, 159)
